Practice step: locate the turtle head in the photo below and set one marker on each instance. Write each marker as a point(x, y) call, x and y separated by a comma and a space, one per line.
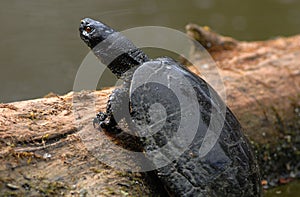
point(93, 32)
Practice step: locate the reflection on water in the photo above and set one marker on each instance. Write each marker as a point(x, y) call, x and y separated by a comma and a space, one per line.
point(41, 50)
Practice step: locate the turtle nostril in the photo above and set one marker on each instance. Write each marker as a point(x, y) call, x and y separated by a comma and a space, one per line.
point(83, 22)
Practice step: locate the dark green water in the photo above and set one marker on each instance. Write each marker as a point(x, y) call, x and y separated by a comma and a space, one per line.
point(41, 50)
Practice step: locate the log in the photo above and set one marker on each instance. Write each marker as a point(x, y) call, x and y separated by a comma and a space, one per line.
point(46, 143)
point(43, 154)
point(262, 80)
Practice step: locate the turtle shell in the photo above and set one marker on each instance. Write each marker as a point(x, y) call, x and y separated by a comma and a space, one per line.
point(194, 141)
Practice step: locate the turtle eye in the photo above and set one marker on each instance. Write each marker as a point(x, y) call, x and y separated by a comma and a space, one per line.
point(88, 29)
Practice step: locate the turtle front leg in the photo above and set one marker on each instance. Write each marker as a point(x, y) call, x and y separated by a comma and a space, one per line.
point(117, 106)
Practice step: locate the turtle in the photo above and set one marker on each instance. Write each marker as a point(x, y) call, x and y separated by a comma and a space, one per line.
point(229, 168)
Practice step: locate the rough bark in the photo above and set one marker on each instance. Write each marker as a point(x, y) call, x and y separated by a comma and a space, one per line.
point(262, 80)
point(44, 147)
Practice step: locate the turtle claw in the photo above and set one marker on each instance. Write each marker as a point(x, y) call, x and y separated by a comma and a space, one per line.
point(99, 120)
point(104, 121)
point(101, 116)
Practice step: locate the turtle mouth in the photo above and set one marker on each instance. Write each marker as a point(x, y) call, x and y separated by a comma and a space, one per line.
point(83, 33)
point(84, 37)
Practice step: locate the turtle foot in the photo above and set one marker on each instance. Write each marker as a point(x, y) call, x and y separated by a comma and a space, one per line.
point(103, 121)
point(99, 120)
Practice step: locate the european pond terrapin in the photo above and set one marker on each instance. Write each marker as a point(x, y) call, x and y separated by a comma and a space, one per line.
point(229, 168)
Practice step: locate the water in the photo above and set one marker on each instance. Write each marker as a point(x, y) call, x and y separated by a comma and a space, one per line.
point(41, 50)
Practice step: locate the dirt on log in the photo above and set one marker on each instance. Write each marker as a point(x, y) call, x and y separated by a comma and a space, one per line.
point(47, 144)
